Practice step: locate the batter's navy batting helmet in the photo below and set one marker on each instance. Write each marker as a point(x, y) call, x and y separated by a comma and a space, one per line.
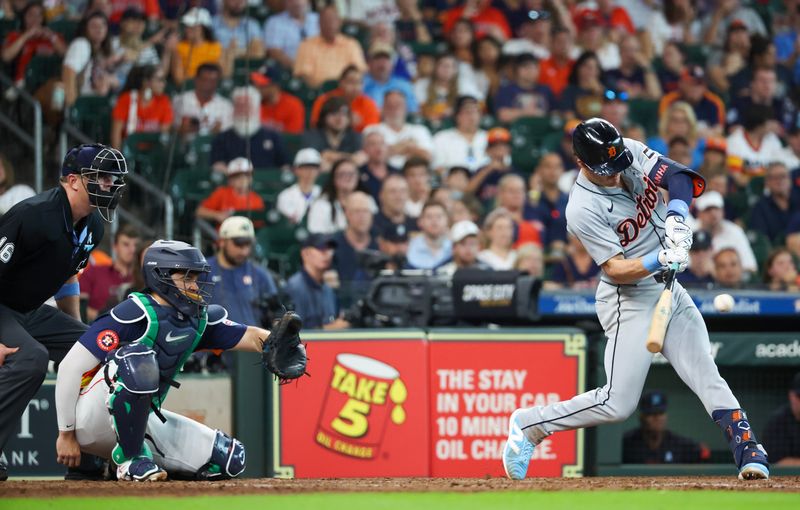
point(105, 169)
point(598, 144)
point(162, 259)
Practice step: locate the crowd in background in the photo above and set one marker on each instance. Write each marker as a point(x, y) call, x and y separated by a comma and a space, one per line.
point(395, 124)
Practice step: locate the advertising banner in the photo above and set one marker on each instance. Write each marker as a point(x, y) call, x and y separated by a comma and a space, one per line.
point(363, 412)
point(477, 379)
point(31, 449)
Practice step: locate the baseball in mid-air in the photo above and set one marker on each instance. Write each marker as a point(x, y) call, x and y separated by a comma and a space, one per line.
point(723, 302)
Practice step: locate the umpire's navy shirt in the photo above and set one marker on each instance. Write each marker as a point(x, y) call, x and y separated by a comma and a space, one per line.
point(314, 301)
point(40, 250)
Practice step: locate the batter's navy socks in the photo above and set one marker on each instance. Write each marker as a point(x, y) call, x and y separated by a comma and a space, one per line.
point(518, 449)
point(140, 469)
point(750, 457)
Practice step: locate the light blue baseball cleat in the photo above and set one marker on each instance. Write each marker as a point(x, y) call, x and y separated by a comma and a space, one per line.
point(517, 451)
point(754, 463)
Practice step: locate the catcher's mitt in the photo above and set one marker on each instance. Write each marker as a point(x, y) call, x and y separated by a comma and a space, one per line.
point(283, 353)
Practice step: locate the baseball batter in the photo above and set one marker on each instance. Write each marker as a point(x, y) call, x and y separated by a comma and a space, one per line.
point(617, 211)
point(114, 380)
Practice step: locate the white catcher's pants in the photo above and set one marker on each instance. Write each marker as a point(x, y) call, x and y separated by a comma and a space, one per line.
point(181, 445)
point(625, 313)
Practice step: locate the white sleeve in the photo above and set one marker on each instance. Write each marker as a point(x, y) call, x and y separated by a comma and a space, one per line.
point(319, 216)
point(742, 245)
point(77, 362)
point(78, 55)
point(644, 158)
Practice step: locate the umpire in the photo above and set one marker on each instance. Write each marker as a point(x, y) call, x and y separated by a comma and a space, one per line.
point(44, 241)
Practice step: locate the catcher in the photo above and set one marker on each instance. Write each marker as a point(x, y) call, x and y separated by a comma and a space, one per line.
point(126, 362)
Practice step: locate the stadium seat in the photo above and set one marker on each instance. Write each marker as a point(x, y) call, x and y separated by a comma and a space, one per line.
point(40, 69)
point(66, 27)
point(358, 32)
point(269, 182)
point(146, 155)
point(280, 242)
point(298, 87)
point(92, 116)
point(527, 139)
point(7, 26)
point(328, 85)
point(761, 246)
point(291, 144)
point(645, 113)
point(242, 67)
point(199, 153)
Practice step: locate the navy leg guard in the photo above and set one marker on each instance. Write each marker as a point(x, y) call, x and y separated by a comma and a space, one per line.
point(135, 384)
point(749, 455)
point(227, 459)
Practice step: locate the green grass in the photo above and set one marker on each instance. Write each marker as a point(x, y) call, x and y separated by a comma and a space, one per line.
point(598, 500)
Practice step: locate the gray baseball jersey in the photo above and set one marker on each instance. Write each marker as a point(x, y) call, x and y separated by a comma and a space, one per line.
point(630, 221)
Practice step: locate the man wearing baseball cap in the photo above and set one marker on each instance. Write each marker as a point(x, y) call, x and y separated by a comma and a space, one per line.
point(782, 433)
point(708, 107)
point(498, 148)
point(313, 299)
point(464, 236)
point(236, 195)
point(710, 208)
point(380, 79)
point(280, 110)
point(293, 202)
point(652, 443)
point(699, 274)
point(523, 97)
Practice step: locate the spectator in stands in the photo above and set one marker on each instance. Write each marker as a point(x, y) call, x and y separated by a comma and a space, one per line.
point(673, 64)
point(142, 107)
point(556, 70)
point(89, 64)
point(498, 233)
point(405, 140)
point(678, 121)
point(635, 75)
point(680, 150)
point(334, 136)
point(351, 88)
point(708, 107)
point(457, 180)
point(116, 10)
point(198, 47)
point(594, 35)
point(530, 260)
point(418, 176)
point(577, 270)
point(432, 247)
point(466, 245)
point(763, 91)
point(724, 233)
point(135, 50)
point(294, 201)
point(762, 56)
point(583, 96)
point(403, 62)
point(235, 196)
point(239, 34)
point(488, 20)
point(674, 23)
point(770, 215)
point(700, 273)
point(411, 25)
point(393, 242)
point(375, 170)
point(615, 17)
point(437, 95)
point(280, 110)
point(99, 283)
point(753, 145)
point(615, 109)
point(203, 111)
point(726, 13)
point(523, 97)
point(10, 192)
point(551, 203)
point(283, 32)
point(393, 198)
point(445, 196)
point(782, 432)
point(369, 13)
point(533, 33)
point(484, 71)
point(726, 62)
point(379, 79)
point(728, 272)
point(460, 41)
point(466, 142)
point(483, 184)
point(529, 226)
point(265, 145)
point(32, 39)
point(313, 299)
point(780, 272)
point(653, 443)
point(354, 239)
point(326, 214)
point(325, 56)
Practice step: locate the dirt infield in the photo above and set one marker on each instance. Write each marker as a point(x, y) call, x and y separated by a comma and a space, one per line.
point(58, 488)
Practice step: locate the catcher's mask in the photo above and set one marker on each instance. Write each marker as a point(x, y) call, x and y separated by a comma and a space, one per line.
point(102, 170)
point(189, 294)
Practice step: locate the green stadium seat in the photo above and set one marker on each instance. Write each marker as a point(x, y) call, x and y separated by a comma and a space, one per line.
point(92, 116)
point(192, 185)
point(358, 32)
point(696, 53)
point(328, 85)
point(242, 67)
point(645, 113)
point(7, 26)
point(269, 182)
point(527, 139)
point(297, 87)
point(291, 144)
point(66, 27)
point(40, 69)
point(761, 246)
point(146, 155)
point(279, 242)
point(198, 156)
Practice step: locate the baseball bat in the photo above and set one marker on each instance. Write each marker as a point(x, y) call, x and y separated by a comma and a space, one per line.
point(658, 325)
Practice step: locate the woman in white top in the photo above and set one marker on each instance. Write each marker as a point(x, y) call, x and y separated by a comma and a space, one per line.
point(498, 229)
point(90, 61)
point(326, 214)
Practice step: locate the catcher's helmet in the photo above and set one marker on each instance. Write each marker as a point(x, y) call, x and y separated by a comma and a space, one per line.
point(105, 169)
point(162, 259)
point(598, 144)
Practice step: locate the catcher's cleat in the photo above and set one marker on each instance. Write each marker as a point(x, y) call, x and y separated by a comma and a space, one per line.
point(140, 469)
point(754, 463)
point(517, 451)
